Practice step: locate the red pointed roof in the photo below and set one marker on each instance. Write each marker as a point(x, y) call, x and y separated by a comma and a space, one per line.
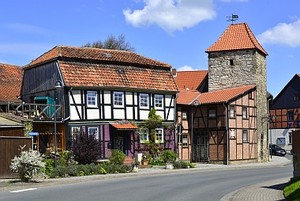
point(10, 82)
point(190, 79)
point(236, 37)
point(224, 95)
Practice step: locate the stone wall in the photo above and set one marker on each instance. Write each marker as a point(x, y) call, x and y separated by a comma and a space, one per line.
point(243, 67)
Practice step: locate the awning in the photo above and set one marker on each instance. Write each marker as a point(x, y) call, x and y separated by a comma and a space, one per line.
point(124, 126)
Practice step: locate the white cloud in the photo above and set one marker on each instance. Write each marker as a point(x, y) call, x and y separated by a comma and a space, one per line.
point(185, 68)
point(283, 33)
point(171, 15)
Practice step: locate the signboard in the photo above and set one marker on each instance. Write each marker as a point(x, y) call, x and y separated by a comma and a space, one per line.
point(33, 133)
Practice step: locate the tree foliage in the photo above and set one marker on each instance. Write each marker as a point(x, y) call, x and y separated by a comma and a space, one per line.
point(85, 148)
point(112, 42)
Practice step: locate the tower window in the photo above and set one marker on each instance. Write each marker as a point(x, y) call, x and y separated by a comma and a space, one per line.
point(231, 62)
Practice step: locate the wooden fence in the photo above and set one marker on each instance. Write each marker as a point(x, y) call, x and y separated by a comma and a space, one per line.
point(9, 147)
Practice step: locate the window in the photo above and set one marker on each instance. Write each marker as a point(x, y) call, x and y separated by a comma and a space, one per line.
point(91, 99)
point(281, 141)
point(93, 131)
point(144, 100)
point(290, 116)
point(185, 140)
point(118, 99)
point(231, 62)
point(297, 97)
point(232, 134)
point(250, 95)
point(245, 113)
point(212, 113)
point(231, 112)
point(184, 115)
point(144, 135)
point(245, 135)
point(158, 101)
point(75, 132)
point(159, 135)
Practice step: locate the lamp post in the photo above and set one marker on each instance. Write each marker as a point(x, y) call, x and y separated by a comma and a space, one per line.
point(58, 85)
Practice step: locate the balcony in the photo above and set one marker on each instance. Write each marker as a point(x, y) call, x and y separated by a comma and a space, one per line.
point(36, 112)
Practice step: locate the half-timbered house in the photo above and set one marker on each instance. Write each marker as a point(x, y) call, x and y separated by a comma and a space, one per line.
point(285, 114)
point(108, 93)
point(222, 112)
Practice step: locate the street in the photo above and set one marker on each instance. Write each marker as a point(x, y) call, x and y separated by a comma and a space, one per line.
point(208, 185)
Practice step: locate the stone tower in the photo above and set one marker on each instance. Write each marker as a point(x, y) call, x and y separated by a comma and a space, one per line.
point(237, 59)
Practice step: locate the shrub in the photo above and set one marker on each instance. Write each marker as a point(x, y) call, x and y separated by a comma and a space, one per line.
point(60, 171)
point(49, 166)
point(28, 164)
point(85, 148)
point(168, 156)
point(183, 164)
point(117, 157)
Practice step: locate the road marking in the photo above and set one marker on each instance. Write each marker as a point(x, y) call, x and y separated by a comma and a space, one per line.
point(23, 190)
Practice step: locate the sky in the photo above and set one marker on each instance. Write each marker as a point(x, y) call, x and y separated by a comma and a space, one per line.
point(176, 32)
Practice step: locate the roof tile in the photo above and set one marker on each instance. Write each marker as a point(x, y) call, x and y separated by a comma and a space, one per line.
point(236, 37)
point(190, 79)
point(10, 82)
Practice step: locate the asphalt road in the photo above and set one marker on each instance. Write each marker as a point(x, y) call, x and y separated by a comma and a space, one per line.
point(207, 185)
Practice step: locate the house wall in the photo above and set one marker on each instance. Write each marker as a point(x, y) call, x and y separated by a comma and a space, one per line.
point(243, 67)
point(12, 131)
point(130, 110)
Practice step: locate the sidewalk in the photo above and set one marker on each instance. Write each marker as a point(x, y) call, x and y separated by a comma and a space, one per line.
point(267, 191)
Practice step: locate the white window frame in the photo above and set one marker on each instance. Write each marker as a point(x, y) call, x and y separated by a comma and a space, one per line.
point(75, 131)
point(159, 135)
point(245, 135)
point(158, 101)
point(185, 141)
point(144, 100)
point(118, 99)
point(91, 99)
point(144, 135)
point(96, 133)
point(245, 112)
point(231, 111)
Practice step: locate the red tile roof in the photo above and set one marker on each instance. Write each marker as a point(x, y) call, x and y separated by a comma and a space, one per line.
point(10, 82)
point(186, 97)
point(96, 54)
point(124, 126)
point(236, 37)
point(79, 74)
point(224, 95)
point(190, 79)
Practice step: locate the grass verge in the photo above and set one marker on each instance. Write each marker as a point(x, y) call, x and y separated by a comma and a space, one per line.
point(292, 190)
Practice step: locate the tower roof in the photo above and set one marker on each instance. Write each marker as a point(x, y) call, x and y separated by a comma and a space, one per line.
point(236, 37)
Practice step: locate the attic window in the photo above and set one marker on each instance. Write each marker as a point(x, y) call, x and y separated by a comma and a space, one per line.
point(231, 62)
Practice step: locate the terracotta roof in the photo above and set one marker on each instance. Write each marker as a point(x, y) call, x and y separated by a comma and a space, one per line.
point(79, 74)
point(96, 54)
point(224, 95)
point(124, 126)
point(190, 79)
point(236, 37)
point(186, 97)
point(10, 82)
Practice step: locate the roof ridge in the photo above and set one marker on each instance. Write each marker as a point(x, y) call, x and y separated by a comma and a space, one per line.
point(253, 39)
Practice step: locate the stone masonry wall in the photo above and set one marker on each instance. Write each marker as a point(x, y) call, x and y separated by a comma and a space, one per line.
point(243, 67)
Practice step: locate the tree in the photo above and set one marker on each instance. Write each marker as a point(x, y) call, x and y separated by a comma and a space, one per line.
point(112, 42)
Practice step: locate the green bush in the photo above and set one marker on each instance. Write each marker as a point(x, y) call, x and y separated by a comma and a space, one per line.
point(117, 157)
point(49, 166)
point(168, 156)
point(183, 164)
point(59, 171)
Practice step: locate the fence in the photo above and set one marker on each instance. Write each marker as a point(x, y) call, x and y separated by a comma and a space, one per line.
point(9, 147)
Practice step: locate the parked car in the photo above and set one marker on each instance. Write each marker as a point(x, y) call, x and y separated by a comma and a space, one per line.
point(276, 150)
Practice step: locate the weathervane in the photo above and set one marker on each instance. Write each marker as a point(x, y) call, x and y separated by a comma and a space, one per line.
point(232, 18)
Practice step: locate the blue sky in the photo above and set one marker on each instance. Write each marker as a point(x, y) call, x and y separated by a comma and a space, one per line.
point(173, 31)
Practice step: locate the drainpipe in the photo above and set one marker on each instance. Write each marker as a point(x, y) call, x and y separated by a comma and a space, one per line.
point(227, 134)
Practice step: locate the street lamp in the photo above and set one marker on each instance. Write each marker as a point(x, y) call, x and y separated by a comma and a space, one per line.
point(58, 85)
